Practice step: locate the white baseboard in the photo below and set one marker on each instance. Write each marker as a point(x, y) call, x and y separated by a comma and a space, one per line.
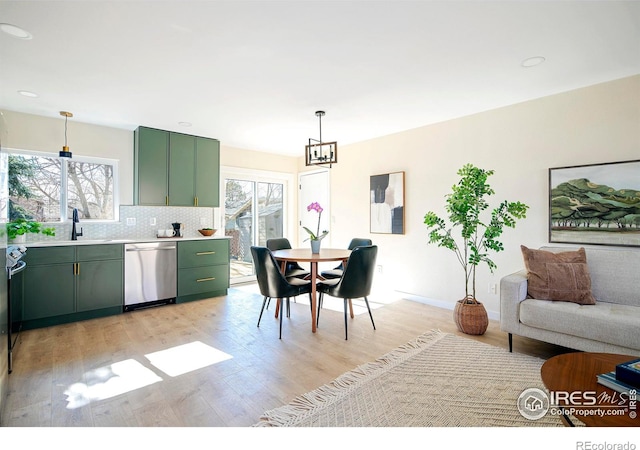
point(493, 315)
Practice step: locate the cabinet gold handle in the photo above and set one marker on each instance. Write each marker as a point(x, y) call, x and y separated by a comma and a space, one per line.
point(205, 279)
point(166, 200)
point(196, 201)
point(205, 253)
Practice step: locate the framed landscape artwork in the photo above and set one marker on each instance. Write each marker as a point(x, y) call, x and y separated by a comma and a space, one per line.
point(387, 203)
point(595, 204)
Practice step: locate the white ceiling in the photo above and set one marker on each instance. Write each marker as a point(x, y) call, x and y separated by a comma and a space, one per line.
point(253, 73)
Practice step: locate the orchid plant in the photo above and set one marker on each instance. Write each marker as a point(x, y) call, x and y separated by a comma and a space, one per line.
point(315, 206)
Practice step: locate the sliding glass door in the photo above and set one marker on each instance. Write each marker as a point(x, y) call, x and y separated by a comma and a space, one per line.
point(253, 213)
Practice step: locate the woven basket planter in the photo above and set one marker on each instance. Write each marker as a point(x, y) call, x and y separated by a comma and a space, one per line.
point(470, 316)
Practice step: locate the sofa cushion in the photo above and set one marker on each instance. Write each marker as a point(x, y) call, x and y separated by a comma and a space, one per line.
point(613, 271)
point(560, 276)
point(605, 322)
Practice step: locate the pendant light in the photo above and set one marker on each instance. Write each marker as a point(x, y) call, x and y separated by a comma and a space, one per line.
point(318, 152)
point(65, 153)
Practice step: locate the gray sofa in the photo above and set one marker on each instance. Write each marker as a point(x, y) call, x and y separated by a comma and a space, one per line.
point(612, 325)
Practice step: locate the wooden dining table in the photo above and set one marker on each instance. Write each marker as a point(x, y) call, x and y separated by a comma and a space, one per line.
point(304, 255)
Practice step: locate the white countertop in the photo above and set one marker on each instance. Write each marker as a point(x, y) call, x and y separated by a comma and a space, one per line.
point(82, 241)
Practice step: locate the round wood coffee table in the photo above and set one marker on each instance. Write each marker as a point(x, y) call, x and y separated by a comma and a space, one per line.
point(577, 373)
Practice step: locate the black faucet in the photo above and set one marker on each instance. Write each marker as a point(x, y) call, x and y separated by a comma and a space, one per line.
point(74, 233)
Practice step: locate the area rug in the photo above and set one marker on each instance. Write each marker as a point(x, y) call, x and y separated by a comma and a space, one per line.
point(437, 380)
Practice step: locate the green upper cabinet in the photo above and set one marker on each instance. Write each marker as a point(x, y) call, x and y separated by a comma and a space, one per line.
point(182, 163)
point(175, 169)
point(207, 172)
point(151, 160)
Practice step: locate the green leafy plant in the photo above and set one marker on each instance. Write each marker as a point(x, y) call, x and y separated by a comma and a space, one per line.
point(464, 205)
point(22, 226)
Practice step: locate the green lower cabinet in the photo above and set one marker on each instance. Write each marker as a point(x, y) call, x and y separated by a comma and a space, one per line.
point(200, 280)
point(71, 283)
point(203, 269)
point(202, 253)
point(99, 285)
point(48, 291)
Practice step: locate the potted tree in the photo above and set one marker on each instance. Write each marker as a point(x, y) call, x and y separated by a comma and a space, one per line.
point(477, 238)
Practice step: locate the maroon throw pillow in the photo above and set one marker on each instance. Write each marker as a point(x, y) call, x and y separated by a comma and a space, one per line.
point(562, 277)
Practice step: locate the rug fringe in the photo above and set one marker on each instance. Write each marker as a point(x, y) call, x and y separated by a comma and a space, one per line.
point(328, 393)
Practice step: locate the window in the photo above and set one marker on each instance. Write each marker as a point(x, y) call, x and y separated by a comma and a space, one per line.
point(255, 209)
point(46, 188)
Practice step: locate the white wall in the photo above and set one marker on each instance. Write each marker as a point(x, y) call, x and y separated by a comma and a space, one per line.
point(247, 159)
point(520, 142)
point(44, 134)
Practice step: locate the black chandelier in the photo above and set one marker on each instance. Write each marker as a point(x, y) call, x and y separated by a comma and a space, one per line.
point(318, 153)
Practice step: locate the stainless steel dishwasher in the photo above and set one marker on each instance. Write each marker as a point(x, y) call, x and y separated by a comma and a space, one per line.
point(150, 274)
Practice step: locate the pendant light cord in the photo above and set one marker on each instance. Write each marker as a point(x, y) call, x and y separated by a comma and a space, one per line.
point(66, 118)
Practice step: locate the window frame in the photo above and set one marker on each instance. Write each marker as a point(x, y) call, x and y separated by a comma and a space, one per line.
point(64, 179)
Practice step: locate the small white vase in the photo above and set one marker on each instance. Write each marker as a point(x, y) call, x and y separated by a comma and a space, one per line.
point(19, 239)
point(315, 246)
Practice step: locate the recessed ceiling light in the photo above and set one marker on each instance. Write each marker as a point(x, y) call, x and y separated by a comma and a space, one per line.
point(184, 124)
point(15, 31)
point(533, 61)
point(28, 93)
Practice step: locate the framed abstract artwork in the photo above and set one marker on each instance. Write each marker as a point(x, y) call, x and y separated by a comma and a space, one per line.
point(387, 203)
point(595, 204)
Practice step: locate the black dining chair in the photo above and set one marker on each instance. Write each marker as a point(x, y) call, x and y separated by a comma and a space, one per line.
point(293, 269)
point(273, 284)
point(355, 282)
point(336, 272)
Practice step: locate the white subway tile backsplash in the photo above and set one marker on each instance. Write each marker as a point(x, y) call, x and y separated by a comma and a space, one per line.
point(135, 223)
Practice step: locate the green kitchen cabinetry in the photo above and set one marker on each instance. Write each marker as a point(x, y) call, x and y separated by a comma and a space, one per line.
point(182, 162)
point(175, 169)
point(70, 283)
point(207, 174)
point(151, 161)
point(203, 269)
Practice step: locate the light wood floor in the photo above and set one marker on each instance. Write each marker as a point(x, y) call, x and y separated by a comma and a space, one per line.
point(93, 373)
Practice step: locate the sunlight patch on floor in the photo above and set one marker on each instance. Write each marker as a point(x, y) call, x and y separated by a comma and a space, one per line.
point(185, 358)
point(128, 375)
point(109, 381)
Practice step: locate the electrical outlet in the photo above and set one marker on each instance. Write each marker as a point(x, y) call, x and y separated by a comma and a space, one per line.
point(152, 222)
point(131, 221)
point(379, 268)
point(493, 288)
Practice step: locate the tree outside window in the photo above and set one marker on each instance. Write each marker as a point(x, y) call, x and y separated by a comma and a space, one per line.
point(39, 185)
